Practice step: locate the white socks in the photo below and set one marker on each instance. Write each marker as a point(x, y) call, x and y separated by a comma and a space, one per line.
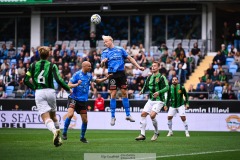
point(143, 124)
point(50, 125)
point(155, 125)
point(170, 125)
point(185, 125)
point(56, 124)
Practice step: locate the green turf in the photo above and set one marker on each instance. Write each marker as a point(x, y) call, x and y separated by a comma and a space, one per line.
point(34, 144)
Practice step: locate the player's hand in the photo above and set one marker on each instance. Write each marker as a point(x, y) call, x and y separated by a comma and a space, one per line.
point(165, 108)
point(103, 61)
point(141, 68)
point(109, 76)
point(155, 94)
point(186, 106)
point(79, 82)
point(140, 92)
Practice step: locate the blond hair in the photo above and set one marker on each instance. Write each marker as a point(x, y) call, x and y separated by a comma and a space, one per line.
point(107, 37)
point(44, 52)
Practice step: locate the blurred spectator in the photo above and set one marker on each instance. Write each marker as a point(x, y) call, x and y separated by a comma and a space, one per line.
point(168, 64)
point(236, 36)
point(98, 71)
point(162, 70)
point(104, 92)
point(11, 52)
point(65, 57)
point(4, 64)
point(196, 52)
point(133, 86)
point(2, 93)
point(6, 69)
point(66, 69)
point(20, 57)
point(191, 60)
point(228, 93)
point(21, 70)
point(237, 59)
point(62, 94)
point(146, 71)
point(236, 83)
point(149, 59)
point(223, 78)
point(3, 52)
point(14, 83)
point(179, 49)
point(210, 70)
point(24, 49)
point(181, 74)
point(176, 63)
point(6, 78)
point(232, 52)
point(226, 34)
point(219, 58)
point(164, 56)
point(93, 41)
point(224, 50)
point(141, 48)
point(136, 72)
point(56, 50)
point(64, 49)
point(99, 103)
point(27, 58)
point(205, 76)
point(201, 94)
point(136, 94)
point(2, 84)
point(181, 56)
point(29, 93)
point(191, 92)
point(34, 57)
point(186, 67)
point(209, 86)
point(16, 108)
point(134, 51)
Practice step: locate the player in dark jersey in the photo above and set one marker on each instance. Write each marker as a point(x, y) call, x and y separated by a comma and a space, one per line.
point(115, 57)
point(80, 82)
point(42, 74)
point(157, 85)
point(175, 96)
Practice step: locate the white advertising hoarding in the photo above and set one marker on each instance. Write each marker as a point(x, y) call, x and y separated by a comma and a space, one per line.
point(101, 120)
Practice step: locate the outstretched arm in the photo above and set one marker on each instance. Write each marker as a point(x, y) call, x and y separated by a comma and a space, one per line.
point(135, 63)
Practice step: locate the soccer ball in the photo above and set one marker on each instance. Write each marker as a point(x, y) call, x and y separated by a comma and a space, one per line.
point(95, 18)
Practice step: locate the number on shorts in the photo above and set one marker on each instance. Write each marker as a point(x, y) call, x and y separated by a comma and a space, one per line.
point(41, 79)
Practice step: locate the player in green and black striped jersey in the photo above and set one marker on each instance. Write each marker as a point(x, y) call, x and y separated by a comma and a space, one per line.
point(42, 74)
point(157, 85)
point(175, 97)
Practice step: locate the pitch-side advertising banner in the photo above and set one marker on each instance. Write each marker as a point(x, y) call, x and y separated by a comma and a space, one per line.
point(101, 120)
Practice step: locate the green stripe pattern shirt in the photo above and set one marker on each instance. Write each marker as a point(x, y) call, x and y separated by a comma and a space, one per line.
point(175, 95)
point(156, 83)
point(42, 74)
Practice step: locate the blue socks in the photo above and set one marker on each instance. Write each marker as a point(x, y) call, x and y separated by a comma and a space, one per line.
point(66, 124)
point(125, 103)
point(83, 129)
point(113, 106)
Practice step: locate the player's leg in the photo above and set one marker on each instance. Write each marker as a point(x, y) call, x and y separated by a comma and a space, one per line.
point(143, 123)
point(113, 104)
point(71, 107)
point(171, 112)
point(122, 83)
point(44, 109)
point(52, 103)
point(157, 106)
point(83, 114)
point(182, 114)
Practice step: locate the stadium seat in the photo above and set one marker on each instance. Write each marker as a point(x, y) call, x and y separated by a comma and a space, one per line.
point(176, 42)
point(233, 68)
point(123, 42)
point(169, 43)
point(218, 91)
point(116, 42)
point(80, 43)
point(185, 44)
point(58, 42)
point(215, 66)
point(192, 41)
point(229, 61)
point(86, 44)
point(100, 43)
point(9, 90)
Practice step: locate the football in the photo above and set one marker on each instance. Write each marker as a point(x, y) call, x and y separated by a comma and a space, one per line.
point(95, 18)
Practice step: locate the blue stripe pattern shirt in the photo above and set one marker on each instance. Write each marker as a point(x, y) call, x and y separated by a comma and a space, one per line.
point(80, 93)
point(116, 57)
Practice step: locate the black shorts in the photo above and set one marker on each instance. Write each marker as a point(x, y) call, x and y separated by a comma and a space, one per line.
point(79, 106)
point(118, 80)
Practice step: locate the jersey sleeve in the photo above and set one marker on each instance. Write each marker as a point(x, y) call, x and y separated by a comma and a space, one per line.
point(185, 95)
point(58, 78)
point(124, 53)
point(165, 84)
point(27, 78)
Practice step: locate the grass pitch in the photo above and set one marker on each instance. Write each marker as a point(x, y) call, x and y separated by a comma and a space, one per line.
point(34, 144)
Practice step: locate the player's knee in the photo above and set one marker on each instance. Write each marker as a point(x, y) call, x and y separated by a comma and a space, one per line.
point(170, 117)
point(152, 116)
point(144, 114)
point(183, 118)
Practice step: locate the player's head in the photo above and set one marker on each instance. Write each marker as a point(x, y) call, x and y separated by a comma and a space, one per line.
point(174, 80)
point(86, 66)
point(44, 52)
point(108, 41)
point(155, 67)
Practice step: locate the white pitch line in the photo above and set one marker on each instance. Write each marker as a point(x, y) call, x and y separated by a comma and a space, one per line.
point(190, 154)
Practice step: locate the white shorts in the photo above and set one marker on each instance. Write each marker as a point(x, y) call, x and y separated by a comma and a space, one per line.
point(155, 106)
point(45, 100)
point(173, 111)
